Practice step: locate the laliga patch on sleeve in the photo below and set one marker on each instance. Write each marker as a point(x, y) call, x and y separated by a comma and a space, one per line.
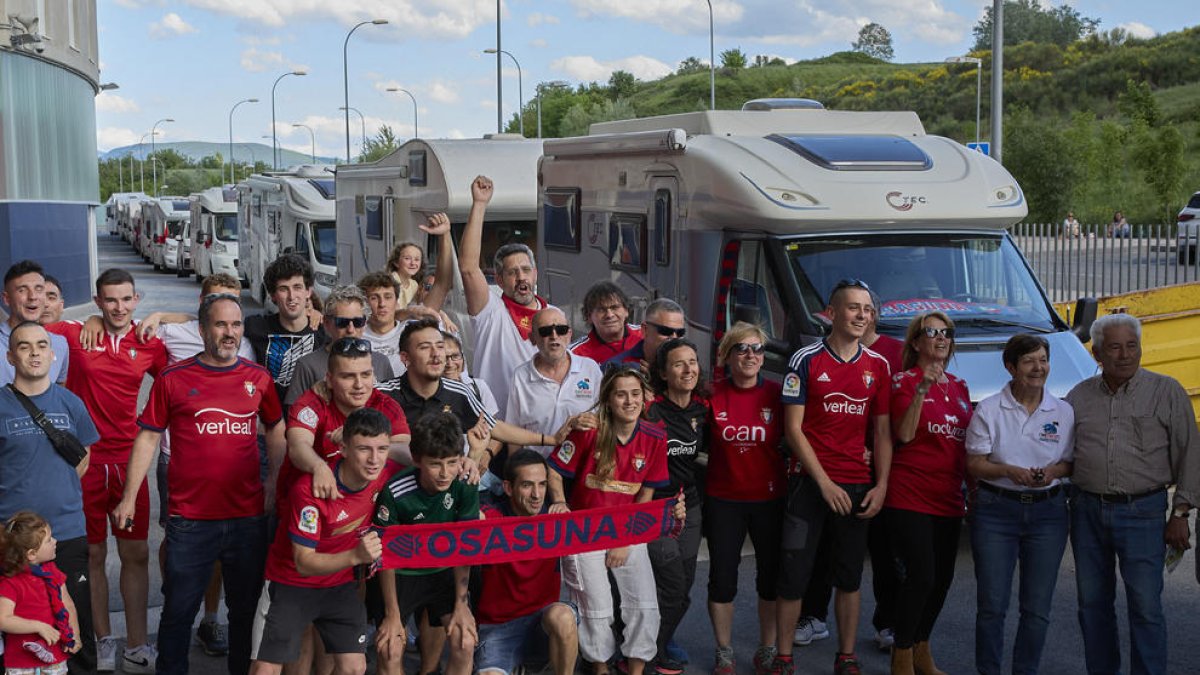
point(308, 417)
point(308, 520)
point(791, 385)
point(566, 451)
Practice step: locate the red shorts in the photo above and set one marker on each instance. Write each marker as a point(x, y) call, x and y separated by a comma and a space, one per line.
point(103, 487)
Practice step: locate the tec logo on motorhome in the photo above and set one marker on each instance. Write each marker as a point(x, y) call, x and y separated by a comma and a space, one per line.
point(902, 202)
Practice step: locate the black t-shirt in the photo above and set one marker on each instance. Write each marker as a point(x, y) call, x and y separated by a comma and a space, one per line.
point(451, 396)
point(278, 349)
point(686, 437)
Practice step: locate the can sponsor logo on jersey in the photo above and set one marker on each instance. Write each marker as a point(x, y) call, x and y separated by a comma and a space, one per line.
point(744, 432)
point(308, 520)
point(237, 424)
point(308, 417)
point(566, 451)
point(791, 385)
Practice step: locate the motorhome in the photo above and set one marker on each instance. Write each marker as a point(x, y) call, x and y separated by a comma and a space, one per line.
point(756, 214)
point(164, 229)
point(119, 212)
point(288, 212)
point(215, 233)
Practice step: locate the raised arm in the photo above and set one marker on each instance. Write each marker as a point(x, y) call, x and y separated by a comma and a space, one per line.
point(474, 282)
point(439, 226)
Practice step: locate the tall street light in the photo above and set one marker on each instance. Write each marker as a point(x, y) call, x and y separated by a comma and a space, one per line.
point(538, 89)
point(499, 81)
point(312, 136)
point(997, 99)
point(362, 120)
point(154, 166)
point(274, 140)
point(141, 166)
point(712, 61)
point(520, 86)
point(232, 177)
point(346, 76)
point(978, 85)
point(416, 133)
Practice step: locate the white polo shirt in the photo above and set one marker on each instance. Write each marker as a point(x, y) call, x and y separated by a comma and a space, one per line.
point(1003, 429)
point(499, 347)
point(538, 403)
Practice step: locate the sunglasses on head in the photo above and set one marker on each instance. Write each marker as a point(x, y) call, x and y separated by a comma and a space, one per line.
point(742, 348)
point(351, 346)
point(851, 283)
point(560, 328)
point(344, 322)
point(947, 333)
point(667, 331)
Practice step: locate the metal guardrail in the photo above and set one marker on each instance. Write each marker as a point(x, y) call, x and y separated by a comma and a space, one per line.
point(1091, 261)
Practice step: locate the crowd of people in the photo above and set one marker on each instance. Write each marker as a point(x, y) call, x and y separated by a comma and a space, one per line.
point(284, 446)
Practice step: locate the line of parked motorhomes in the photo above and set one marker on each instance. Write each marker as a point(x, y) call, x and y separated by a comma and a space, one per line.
point(751, 214)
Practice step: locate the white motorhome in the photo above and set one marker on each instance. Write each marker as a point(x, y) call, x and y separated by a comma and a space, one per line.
point(215, 233)
point(164, 226)
point(118, 214)
point(288, 212)
point(380, 204)
point(757, 214)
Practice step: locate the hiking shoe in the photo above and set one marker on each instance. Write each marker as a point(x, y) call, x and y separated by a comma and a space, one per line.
point(808, 629)
point(724, 663)
point(212, 638)
point(846, 664)
point(106, 654)
point(667, 666)
point(884, 639)
point(764, 659)
point(139, 660)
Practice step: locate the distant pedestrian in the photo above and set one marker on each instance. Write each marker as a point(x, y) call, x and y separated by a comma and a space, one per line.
point(1119, 227)
point(1070, 225)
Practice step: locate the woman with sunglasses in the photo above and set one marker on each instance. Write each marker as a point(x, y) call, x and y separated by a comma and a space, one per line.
point(681, 406)
point(745, 487)
point(923, 509)
point(622, 461)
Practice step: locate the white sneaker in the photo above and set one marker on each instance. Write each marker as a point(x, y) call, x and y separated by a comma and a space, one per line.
point(808, 629)
point(106, 654)
point(884, 639)
point(140, 660)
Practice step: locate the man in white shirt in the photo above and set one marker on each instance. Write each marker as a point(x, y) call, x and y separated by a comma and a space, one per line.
point(383, 330)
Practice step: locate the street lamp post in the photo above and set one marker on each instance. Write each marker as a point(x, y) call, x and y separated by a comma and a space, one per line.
point(997, 78)
point(499, 81)
point(712, 61)
point(154, 166)
point(346, 76)
point(274, 141)
point(520, 87)
point(978, 85)
point(416, 133)
point(141, 166)
point(312, 136)
point(232, 177)
point(362, 120)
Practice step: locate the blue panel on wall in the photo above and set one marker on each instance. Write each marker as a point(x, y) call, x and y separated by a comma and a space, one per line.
point(53, 234)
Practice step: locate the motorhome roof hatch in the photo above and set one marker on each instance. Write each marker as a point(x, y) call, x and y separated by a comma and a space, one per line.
point(857, 153)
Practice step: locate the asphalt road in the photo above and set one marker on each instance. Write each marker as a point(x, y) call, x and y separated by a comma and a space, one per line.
point(953, 639)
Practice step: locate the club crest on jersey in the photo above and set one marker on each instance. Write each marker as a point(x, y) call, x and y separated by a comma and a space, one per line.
point(639, 463)
point(791, 385)
point(132, 353)
point(695, 423)
point(566, 451)
point(448, 501)
point(249, 387)
point(446, 408)
point(308, 520)
point(767, 414)
point(868, 378)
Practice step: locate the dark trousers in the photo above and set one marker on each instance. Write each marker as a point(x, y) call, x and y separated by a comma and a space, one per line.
point(674, 565)
point(925, 548)
point(883, 580)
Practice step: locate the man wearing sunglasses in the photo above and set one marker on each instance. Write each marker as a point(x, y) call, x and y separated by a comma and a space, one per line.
point(345, 317)
point(664, 320)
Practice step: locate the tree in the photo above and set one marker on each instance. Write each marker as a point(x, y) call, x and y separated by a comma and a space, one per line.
point(1029, 21)
point(621, 84)
point(761, 60)
point(580, 117)
point(380, 145)
point(733, 58)
point(690, 65)
point(874, 40)
point(1036, 152)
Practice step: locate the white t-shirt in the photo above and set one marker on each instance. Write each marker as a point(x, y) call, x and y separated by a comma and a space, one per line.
point(538, 403)
point(1003, 429)
point(388, 344)
point(499, 347)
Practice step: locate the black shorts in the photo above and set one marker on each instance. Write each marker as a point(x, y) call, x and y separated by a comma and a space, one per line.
point(806, 520)
point(285, 611)
point(432, 592)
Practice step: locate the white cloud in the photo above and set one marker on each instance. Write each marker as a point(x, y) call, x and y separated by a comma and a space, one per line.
point(538, 43)
point(428, 18)
point(677, 16)
point(1138, 29)
point(108, 102)
point(443, 93)
point(537, 18)
point(256, 61)
point(170, 25)
point(456, 133)
point(439, 91)
point(588, 69)
point(108, 138)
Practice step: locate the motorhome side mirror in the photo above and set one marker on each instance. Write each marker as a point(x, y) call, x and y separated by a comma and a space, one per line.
point(747, 313)
point(1083, 318)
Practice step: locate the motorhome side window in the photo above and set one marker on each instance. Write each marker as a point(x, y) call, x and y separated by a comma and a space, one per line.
point(373, 217)
point(560, 213)
point(416, 168)
point(662, 227)
point(301, 241)
point(753, 294)
point(627, 242)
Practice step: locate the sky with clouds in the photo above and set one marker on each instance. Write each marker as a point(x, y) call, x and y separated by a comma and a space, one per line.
point(192, 60)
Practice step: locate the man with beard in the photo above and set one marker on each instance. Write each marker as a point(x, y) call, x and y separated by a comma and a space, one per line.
point(25, 291)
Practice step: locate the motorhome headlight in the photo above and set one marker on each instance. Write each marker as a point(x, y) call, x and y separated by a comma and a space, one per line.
point(326, 280)
point(1006, 194)
point(218, 247)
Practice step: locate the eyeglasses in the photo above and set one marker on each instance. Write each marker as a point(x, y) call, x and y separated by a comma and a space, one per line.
point(351, 345)
point(560, 328)
point(454, 357)
point(947, 333)
point(742, 348)
point(667, 331)
point(344, 322)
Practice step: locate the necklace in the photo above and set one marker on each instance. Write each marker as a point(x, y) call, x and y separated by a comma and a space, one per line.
point(945, 390)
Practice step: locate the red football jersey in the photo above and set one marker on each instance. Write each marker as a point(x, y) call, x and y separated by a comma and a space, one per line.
point(322, 418)
point(641, 462)
point(891, 349)
point(327, 525)
point(600, 351)
point(32, 600)
point(839, 399)
point(212, 414)
point(745, 463)
point(928, 471)
point(516, 589)
point(108, 378)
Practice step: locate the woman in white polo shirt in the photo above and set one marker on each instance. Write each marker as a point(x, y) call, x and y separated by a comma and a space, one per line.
point(1019, 449)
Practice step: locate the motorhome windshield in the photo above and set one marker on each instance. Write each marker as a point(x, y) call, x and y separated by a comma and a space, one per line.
point(324, 185)
point(174, 228)
point(979, 280)
point(181, 205)
point(226, 227)
point(324, 234)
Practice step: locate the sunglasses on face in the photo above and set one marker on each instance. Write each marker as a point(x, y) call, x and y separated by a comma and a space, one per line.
point(344, 322)
point(560, 328)
point(667, 331)
point(742, 348)
point(356, 346)
point(947, 333)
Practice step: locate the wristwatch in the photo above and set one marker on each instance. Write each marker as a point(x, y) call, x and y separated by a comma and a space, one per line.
point(1181, 511)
